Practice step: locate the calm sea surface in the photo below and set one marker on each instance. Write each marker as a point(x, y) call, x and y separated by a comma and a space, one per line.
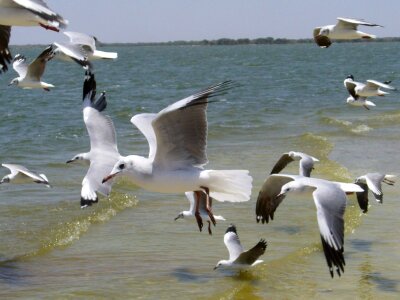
point(290, 97)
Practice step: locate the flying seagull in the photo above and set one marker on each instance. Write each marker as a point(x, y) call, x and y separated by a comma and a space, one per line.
point(238, 258)
point(74, 52)
point(88, 44)
point(202, 209)
point(177, 138)
point(24, 13)
point(373, 182)
point(20, 174)
point(30, 75)
point(103, 152)
point(330, 201)
point(369, 89)
point(360, 101)
point(306, 162)
point(345, 29)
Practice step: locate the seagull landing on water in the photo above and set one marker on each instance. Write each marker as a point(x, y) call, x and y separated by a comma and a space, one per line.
point(373, 182)
point(239, 259)
point(330, 201)
point(306, 162)
point(103, 152)
point(345, 29)
point(202, 209)
point(24, 13)
point(177, 138)
point(20, 174)
point(30, 75)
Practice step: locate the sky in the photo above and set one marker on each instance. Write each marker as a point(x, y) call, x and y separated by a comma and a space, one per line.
point(172, 20)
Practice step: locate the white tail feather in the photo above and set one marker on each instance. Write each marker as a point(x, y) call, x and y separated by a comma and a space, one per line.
point(107, 55)
point(230, 185)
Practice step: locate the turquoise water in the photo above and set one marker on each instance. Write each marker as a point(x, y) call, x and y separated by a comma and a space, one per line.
point(290, 97)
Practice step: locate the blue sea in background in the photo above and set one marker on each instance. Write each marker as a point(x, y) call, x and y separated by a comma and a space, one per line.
point(288, 97)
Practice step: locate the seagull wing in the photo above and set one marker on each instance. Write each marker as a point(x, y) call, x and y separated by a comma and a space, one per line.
point(267, 201)
point(40, 8)
point(74, 51)
point(181, 130)
point(349, 23)
point(362, 197)
point(250, 256)
point(283, 161)
point(81, 39)
point(19, 65)
point(351, 88)
point(376, 84)
point(330, 202)
point(374, 182)
point(144, 123)
point(37, 67)
point(190, 197)
point(18, 168)
point(5, 54)
point(306, 165)
point(233, 244)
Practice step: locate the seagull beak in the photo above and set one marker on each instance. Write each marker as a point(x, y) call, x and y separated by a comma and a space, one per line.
point(279, 195)
point(178, 217)
point(107, 178)
point(215, 268)
point(69, 161)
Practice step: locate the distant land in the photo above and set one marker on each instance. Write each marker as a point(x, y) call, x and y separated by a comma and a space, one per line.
point(242, 41)
point(246, 41)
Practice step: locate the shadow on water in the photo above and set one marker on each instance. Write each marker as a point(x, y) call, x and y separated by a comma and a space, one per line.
point(11, 273)
point(361, 245)
point(288, 229)
point(187, 275)
point(370, 279)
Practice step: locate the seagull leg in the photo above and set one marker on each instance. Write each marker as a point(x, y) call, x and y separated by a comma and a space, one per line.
point(209, 205)
point(197, 209)
point(47, 89)
point(209, 227)
point(48, 27)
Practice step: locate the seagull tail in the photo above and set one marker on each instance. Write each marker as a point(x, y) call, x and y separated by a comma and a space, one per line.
point(105, 55)
point(230, 185)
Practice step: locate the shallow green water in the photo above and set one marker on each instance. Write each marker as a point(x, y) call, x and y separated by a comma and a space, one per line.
point(291, 97)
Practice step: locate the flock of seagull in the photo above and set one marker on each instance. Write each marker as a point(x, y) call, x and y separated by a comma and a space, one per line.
point(177, 139)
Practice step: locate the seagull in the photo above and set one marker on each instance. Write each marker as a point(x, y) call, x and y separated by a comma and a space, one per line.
point(202, 208)
point(88, 44)
point(103, 152)
point(20, 174)
point(360, 101)
point(24, 13)
point(372, 181)
point(345, 29)
point(177, 138)
point(69, 51)
point(330, 201)
point(238, 258)
point(369, 89)
point(306, 162)
point(29, 75)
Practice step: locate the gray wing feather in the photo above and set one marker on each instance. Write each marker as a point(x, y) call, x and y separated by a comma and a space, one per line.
point(144, 123)
point(181, 130)
point(250, 256)
point(267, 201)
point(37, 67)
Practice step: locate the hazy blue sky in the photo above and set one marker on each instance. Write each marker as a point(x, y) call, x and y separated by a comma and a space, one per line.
point(170, 20)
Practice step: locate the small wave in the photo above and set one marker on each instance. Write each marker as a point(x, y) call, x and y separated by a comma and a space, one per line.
point(361, 129)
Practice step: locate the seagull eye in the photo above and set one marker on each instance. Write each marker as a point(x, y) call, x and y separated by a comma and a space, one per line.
point(121, 166)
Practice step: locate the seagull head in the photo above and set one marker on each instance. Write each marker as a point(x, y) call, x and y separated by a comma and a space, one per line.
point(222, 263)
point(291, 186)
point(180, 216)
point(15, 81)
point(350, 77)
point(80, 156)
point(5, 179)
point(118, 168)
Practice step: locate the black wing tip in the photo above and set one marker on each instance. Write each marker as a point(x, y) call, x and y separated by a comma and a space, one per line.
point(88, 202)
point(89, 86)
point(334, 258)
point(262, 244)
point(231, 228)
point(101, 103)
point(19, 57)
